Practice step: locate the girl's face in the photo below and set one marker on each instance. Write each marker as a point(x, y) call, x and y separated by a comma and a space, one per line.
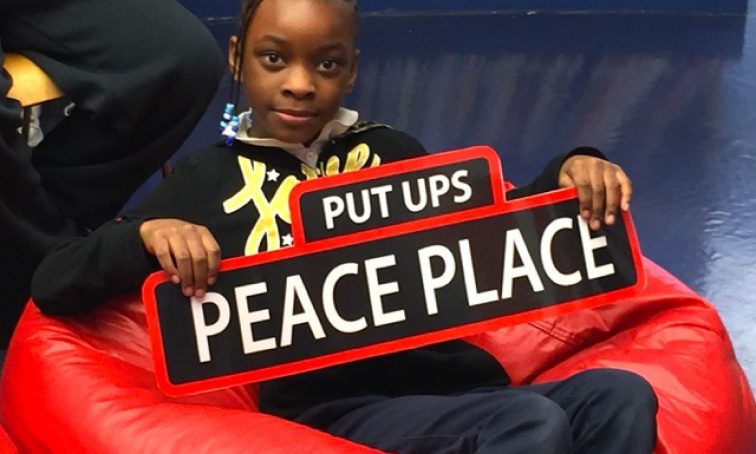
point(300, 61)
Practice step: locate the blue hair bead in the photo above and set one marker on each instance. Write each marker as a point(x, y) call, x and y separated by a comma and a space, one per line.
point(229, 125)
point(228, 113)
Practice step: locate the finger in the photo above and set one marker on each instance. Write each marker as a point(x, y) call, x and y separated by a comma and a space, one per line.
point(585, 193)
point(570, 168)
point(198, 260)
point(162, 251)
point(565, 180)
point(613, 193)
point(213, 255)
point(627, 189)
point(598, 194)
point(183, 259)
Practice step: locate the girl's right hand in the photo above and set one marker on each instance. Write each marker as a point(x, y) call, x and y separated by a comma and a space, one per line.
point(187, 252)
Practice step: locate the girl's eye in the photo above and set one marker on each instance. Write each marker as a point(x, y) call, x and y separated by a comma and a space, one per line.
point(328, 65)
point(272, 59)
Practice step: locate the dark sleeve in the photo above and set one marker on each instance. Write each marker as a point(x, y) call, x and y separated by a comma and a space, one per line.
point(548, 180)
point(406, 146)
point(87, 271)
point(392, 145)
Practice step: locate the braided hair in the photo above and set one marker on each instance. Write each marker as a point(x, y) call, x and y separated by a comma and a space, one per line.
point(248, 8)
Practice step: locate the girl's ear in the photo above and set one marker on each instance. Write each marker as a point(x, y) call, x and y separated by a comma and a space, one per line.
point(353, 70)
point(233, 42)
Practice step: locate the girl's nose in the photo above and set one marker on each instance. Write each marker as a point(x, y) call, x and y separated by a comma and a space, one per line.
point(299, 83)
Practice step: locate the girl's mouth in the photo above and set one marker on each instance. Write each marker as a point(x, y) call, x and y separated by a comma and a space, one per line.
point(294, 117)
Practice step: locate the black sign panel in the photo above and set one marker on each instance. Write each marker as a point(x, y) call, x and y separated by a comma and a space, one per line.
point(365, 205)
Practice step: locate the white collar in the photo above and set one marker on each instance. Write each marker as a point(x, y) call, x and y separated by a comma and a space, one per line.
point(343, 120)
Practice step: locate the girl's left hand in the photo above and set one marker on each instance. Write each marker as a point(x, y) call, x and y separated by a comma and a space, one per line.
point(603, 188)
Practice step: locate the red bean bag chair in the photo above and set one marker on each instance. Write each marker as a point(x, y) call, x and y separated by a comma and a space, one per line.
point(87, 384)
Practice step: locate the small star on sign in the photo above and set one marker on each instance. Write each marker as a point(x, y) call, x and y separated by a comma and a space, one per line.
point(287, 239)
point(273, 175)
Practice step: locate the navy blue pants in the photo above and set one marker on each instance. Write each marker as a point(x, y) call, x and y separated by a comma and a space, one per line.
point(596, 411)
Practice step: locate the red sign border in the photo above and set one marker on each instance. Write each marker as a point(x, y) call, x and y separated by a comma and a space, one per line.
point(302, 248)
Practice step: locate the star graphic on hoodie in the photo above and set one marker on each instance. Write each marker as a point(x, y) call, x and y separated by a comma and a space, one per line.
point(273, 175)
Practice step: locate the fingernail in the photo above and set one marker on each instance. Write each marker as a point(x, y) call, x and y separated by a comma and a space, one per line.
point(200, 293)
point(188, 291)
point(595, 224)
point(586, 214)
point(211, 280)
point(610, 219)
point(175, 279)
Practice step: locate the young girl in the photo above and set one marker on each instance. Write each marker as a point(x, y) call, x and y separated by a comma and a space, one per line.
point(296, 60)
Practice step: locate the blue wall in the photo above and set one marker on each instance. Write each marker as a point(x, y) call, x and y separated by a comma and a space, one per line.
point(228, 8)
point(716, 6)
point(212, 8)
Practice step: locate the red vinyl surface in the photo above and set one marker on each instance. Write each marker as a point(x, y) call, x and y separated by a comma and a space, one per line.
point(6, 444)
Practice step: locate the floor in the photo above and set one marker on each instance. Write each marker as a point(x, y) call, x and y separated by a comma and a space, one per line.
point(672, 98)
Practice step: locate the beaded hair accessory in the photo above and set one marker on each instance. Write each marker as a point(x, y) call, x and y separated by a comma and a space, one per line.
point(229, 125)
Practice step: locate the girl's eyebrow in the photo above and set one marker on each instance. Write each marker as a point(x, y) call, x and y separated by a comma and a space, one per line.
point(333, 46)
point(324, 48)
point(275, 39)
